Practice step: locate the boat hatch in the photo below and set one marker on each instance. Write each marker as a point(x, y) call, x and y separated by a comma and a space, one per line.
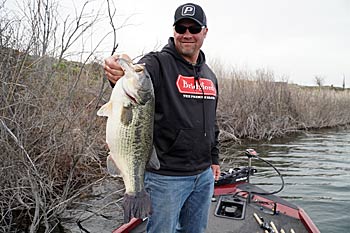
point(230, 207)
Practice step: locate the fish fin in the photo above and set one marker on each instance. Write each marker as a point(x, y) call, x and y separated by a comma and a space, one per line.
point(105, 110)
point(112, 168)
point(136, 206)
point(126, 116)
point(154, 161)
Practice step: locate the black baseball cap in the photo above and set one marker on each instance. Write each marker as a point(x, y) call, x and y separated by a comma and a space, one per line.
point(190, 11)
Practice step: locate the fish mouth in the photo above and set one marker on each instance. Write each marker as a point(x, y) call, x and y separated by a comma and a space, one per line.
point(131, 97)
point(136, 94)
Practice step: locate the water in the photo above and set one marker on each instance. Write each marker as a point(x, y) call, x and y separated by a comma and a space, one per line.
point(316, 170)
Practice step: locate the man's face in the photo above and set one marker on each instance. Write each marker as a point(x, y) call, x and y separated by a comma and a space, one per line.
point(186, 43)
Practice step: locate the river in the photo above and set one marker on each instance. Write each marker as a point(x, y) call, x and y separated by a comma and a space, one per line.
point(316, 171)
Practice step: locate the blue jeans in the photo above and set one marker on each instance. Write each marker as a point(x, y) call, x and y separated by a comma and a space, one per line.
point(179, 203)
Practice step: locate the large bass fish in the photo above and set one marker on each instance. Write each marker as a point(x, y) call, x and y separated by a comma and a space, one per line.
point(129, 135)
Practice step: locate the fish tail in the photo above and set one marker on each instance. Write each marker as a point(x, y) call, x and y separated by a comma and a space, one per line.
point(136, 206)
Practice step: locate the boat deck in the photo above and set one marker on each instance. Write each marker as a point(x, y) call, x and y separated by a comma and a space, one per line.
point(285, 217)
point(249, 223)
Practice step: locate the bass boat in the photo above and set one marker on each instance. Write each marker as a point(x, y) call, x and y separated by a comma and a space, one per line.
point(241, 207)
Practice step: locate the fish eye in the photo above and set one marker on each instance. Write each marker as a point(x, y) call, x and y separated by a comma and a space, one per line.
point(139, 67)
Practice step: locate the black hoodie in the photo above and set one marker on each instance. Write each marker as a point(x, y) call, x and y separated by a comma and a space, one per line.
point(186, 95)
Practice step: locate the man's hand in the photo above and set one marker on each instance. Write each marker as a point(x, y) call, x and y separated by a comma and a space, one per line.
point(216, 171)
point(112, 68)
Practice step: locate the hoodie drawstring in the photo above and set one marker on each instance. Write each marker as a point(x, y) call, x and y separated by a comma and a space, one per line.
point(196, 80)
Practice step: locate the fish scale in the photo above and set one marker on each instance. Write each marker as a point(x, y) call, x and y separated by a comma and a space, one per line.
point(133, 141)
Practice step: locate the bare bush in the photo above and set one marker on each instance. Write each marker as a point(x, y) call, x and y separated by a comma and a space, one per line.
point(320, 108)
point(50, 139)
point(51, 143)
point(253, 105)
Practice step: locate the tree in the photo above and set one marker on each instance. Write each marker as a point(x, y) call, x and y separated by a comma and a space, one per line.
point(319, 80)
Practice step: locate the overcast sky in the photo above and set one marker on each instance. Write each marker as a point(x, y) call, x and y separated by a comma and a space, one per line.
point(297, 39)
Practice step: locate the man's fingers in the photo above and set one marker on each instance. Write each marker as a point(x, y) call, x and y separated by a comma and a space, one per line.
point(216, 171)
point(113, 72)
point(111, 78)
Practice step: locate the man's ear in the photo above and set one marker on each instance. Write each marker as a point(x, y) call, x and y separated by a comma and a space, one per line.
point(205, 32)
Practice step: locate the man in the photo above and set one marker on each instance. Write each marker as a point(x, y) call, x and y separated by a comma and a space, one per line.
point(185, 129)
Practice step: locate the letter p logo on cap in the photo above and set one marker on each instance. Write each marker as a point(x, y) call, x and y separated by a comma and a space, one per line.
point(188, 10)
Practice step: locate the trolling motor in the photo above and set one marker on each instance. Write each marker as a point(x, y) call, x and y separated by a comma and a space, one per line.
point(250, 153)
point(234, 175)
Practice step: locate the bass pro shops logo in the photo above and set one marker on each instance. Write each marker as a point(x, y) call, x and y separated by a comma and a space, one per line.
point(186, 85)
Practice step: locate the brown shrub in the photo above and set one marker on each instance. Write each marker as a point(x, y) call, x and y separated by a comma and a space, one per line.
point(52, 145)
point(254, 106)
